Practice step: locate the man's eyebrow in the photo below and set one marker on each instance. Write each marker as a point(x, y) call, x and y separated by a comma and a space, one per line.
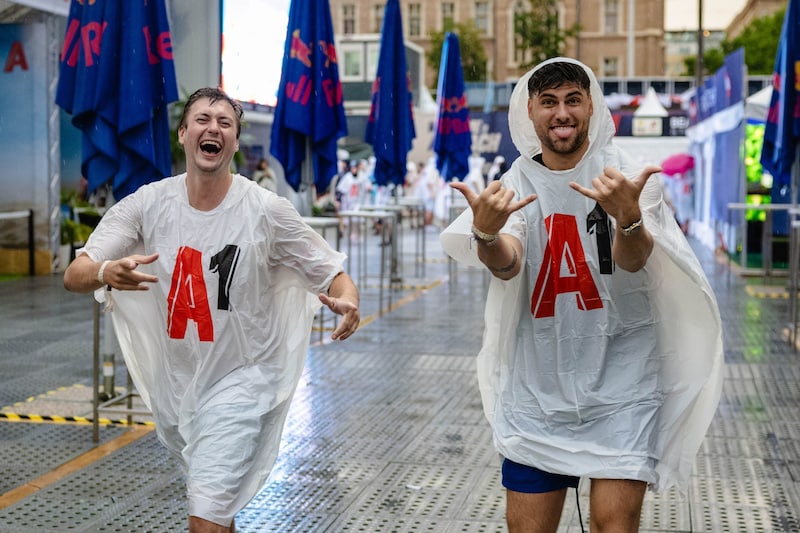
point(548, 92)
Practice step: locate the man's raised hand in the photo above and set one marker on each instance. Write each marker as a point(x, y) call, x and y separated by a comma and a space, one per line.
point(122, 274)
point(492, 207)
point(616, 194)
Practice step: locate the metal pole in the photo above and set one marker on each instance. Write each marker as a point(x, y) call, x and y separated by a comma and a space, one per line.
point(700, 66)
point(307, 181)
point(578, 37)
point(96, 371)
point(31, 245)
point(631, 39)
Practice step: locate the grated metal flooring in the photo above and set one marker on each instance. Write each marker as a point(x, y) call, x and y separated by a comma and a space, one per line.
point(386, 432)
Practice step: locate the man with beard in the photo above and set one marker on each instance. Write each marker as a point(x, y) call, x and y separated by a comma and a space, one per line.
point(215, 284)
point(602, 351)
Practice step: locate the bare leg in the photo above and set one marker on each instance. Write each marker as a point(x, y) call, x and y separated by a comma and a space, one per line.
point(534, 513)
point(199, 525)
point(616, 505)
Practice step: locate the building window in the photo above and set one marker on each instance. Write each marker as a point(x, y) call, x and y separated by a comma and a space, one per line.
point(482, 17)
point(448, 15)
point(612, 16)
point(414, 20)
point(351, 61)
point(610, 67)
point(379, 10)
point(348, 18)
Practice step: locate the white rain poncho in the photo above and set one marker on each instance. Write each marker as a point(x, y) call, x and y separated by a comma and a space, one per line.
point(216, 347)
point(587, 369)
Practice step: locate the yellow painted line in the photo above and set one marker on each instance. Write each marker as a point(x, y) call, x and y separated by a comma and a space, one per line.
point(82, 461)
point(40, 419)
point(775, 293)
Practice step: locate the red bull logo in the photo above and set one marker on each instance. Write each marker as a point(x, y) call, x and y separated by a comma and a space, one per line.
point(300, 90)
point(299, 50)
point(87, 38)
point(329, 51)
point(449, 121)
point(455, 104)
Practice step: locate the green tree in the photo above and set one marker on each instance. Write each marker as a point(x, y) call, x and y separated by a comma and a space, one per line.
point(537, 33)
point(473, 56)
point(712, 61)
point(760, 42)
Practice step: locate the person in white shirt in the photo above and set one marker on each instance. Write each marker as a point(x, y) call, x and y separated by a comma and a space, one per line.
point(602, 351)
point(214, 282)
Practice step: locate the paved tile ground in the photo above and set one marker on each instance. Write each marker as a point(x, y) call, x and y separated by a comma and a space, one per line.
point(386, 432)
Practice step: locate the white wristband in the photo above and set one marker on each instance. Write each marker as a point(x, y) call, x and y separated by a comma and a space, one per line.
point(101, 271)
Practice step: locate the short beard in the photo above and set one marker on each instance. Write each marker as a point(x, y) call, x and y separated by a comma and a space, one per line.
point(562, 149)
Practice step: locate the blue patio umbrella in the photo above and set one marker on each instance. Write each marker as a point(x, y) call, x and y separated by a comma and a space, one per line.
point(116, 78)
point(390, 127)
point(452, 140)
point(782, 131)
point(309, 114)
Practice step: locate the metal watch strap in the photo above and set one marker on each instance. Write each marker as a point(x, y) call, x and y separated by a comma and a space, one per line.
point(632, 228)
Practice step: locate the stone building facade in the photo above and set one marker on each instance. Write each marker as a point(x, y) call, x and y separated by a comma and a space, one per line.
point(603, 42)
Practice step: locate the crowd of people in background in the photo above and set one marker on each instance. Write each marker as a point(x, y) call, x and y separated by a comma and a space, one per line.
point(354, 186)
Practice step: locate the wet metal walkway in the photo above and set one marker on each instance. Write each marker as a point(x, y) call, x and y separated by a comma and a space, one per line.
point(386, 432)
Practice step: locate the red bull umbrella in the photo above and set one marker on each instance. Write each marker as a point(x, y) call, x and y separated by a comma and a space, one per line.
point(309, 114)
point(116, 78)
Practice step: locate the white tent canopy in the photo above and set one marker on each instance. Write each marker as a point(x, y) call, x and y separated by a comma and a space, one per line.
point(757, 105)
point(651, 106)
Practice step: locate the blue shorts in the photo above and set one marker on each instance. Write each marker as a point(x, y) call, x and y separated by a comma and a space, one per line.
point(531, 480)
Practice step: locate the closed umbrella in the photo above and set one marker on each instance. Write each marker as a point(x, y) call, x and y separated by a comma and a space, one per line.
point(309, 114)
point(452, 139)
point(390, 127)
point(116, 78)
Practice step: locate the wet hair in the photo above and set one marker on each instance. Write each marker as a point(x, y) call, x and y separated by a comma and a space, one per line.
point(554, 75)
point(214, 95)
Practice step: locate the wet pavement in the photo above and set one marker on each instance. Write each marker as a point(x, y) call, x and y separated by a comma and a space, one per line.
point(386, 432)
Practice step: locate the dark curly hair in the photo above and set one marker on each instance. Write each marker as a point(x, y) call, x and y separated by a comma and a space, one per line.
point(554, 75)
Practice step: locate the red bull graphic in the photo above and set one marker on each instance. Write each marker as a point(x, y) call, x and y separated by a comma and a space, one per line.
point(300, 50)
point(454, 119)
point(300, 90)
point(85, 39)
